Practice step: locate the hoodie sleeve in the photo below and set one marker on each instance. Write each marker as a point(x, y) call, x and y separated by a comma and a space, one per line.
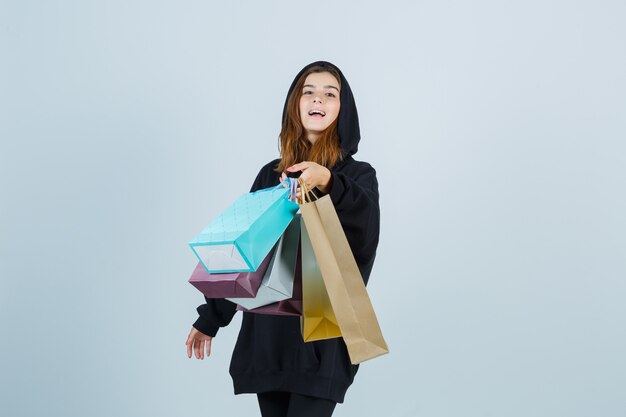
point(216, 313)
point(354, 192)
point(219, 312)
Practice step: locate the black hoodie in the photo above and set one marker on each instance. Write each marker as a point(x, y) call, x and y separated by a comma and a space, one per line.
point(270, 354)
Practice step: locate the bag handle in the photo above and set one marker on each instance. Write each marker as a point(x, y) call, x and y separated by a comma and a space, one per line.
point(293, 188)
point(304, 193)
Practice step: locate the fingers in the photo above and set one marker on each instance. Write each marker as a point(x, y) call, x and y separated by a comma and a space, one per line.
point(208, 347)
point(198, 343)
point(316, 176)
point(307, 180)
point(299, 167)
point(189, 341)
point(311, 173)
point(283, 176)
point(198, 348)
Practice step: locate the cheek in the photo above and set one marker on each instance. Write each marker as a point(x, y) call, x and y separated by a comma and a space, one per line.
point(301, 109)
point(336, 111)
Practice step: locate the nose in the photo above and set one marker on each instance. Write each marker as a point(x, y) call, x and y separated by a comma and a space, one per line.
point(317, 99)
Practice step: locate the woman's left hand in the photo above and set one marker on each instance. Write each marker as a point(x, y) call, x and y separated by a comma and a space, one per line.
point(313, 175)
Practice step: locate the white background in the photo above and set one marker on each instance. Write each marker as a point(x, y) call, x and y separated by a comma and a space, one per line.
point(497, 129)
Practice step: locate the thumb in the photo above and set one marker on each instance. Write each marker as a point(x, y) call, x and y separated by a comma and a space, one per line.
point(298, 167)
point(191, 336)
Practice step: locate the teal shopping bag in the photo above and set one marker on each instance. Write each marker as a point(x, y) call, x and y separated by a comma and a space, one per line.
point(242, 236)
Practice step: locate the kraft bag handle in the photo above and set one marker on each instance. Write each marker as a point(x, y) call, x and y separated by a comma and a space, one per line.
point(304, 193)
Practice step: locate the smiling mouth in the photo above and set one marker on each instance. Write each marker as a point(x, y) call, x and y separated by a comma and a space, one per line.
point(317, 112)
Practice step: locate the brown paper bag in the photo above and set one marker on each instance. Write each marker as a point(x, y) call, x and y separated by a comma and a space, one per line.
point(318, 319)
point(344, 284)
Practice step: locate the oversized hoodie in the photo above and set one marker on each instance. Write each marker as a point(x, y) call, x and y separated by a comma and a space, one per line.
point(270, 354)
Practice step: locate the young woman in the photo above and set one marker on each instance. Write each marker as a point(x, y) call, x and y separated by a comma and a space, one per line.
point(320, 133)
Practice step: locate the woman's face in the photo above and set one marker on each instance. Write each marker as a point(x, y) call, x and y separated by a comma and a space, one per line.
point(319, 103)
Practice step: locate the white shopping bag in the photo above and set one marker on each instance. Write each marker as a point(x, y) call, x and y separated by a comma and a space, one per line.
point(277, 284)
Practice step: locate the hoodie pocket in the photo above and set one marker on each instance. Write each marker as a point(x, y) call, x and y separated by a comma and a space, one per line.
point(309, 357)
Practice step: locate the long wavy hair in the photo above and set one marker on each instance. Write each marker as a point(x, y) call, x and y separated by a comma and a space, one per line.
point(294, 145)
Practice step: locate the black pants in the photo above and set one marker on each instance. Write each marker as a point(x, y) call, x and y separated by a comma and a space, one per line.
point(288, 404)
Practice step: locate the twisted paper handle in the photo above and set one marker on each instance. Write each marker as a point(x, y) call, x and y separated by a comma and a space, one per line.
point(304, 193)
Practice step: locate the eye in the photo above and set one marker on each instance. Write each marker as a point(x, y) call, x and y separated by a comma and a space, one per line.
point(307, 92)
point(330, 95)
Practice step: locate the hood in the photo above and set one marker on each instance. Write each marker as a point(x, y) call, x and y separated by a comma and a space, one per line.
point(348, 123)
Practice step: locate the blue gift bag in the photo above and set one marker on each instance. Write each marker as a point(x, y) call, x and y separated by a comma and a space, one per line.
point(242, 236)
point(277, 284)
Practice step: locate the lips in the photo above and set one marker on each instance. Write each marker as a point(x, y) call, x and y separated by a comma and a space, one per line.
point(316, 112)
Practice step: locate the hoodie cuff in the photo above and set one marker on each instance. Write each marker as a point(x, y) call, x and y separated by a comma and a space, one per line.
point(337, 188)
point(205, 326)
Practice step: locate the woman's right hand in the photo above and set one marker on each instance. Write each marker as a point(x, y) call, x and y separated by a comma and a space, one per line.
point(199, 343)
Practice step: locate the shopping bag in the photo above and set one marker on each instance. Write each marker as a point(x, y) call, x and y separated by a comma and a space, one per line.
point(240, 238)
point(235, 284)
point(277, 284)
point(342, 278)
point(289, 307)
point(318, 318)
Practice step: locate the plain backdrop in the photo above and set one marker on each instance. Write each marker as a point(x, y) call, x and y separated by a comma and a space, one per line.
point(497, 129)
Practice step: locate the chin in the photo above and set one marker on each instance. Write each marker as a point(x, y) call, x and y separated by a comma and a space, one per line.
point(317, 129)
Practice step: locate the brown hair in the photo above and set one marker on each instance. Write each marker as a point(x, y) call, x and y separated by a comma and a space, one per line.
point(294, 145)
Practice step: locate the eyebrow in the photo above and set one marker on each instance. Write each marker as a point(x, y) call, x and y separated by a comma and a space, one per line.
point(326, 86)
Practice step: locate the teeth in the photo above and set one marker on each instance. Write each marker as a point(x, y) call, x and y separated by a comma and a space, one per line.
point(317, 112)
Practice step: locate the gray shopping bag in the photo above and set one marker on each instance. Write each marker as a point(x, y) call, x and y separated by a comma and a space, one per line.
point(277, 284)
